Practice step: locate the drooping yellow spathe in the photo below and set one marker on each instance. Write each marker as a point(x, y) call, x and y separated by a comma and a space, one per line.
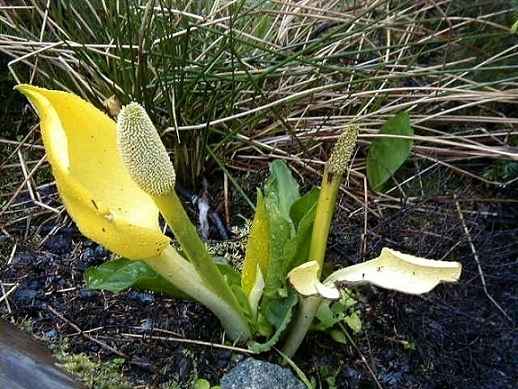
point(96, 189)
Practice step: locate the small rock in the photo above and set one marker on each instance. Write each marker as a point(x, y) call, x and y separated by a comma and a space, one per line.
point(141, 297)
point(51, 335)
point(89, 252)
point(23, 258)
point(25, 296)
point(255, 374)
point(87, 294)
point(350, 377)
point(393, 378)
point(59, 244)
point(147, 324)
point(34, 285)
point(100, 251)
point(183, 367)
point(236, 358)
point(223, 359)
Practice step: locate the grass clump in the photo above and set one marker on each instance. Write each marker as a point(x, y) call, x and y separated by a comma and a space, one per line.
point(225, 80)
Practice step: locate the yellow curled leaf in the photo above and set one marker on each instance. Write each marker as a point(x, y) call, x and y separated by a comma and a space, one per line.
point(96, 189)
point(397, 271)
point(304, 279)
point(258, 247)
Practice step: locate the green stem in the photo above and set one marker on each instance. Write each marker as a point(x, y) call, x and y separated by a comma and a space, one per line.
point(184, 276)
point(323, 217)
point(308, 307)
point(185, 232)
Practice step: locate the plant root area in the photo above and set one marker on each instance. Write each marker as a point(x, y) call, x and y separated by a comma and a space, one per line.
point(459, 336)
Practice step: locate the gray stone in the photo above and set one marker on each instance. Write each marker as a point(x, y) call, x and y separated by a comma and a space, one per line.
point(255, 374)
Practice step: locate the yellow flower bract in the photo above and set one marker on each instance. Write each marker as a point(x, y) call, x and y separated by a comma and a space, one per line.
point(96, 189)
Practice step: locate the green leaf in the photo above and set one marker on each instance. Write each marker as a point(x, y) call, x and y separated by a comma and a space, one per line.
point(326, 317)
point(386, 155)
point(278, 313)
point(290, 221)
point(120, 274)
point(302, 206)
point(281, 192)
point(280, 234)
point(201, 384)
point(297, 249)
point(338, 336)
point(330, 313)
point(354, 322)
point(281, 189)
point(303, 215)
point(233, 279)
point(257, 247)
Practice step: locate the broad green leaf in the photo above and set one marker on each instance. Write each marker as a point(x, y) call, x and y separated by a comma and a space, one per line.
point(281, 189)
point(264, 328)
point(281, 192)
point(297, 249)
point(291, 220)
point(386, 155)
point(233, 279)
point(278, 312)
point(280, 234)
point(120, 274)
point(258, 246)
point(302, 206)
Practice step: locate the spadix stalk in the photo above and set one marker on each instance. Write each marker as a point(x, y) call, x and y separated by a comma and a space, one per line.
point(335, 169)
point(148, 164)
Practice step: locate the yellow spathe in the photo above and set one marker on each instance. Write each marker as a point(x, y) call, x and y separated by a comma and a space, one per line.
point(96, 189)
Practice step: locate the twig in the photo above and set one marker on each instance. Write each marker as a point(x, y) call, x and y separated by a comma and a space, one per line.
point(364, 360)
point(190, 341)
point(6, 294)
point(479, 267)
point(97, 341)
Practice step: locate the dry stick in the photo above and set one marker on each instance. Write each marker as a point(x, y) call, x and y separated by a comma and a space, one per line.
point(475, 256)
point(18, 144)
point(5, 295)
point(97, 341)
point(190, 341)
point(13, 252)
point(364, 360)
point(21, 186)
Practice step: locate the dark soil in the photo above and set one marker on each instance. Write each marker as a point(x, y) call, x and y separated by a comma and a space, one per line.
point(454, 337)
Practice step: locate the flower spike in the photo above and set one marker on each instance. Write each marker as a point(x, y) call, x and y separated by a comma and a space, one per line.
point(143, 152)
point(343, 150)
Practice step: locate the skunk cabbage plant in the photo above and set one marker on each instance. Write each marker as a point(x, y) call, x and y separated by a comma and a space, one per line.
point(112, 195)
point(114, 179)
